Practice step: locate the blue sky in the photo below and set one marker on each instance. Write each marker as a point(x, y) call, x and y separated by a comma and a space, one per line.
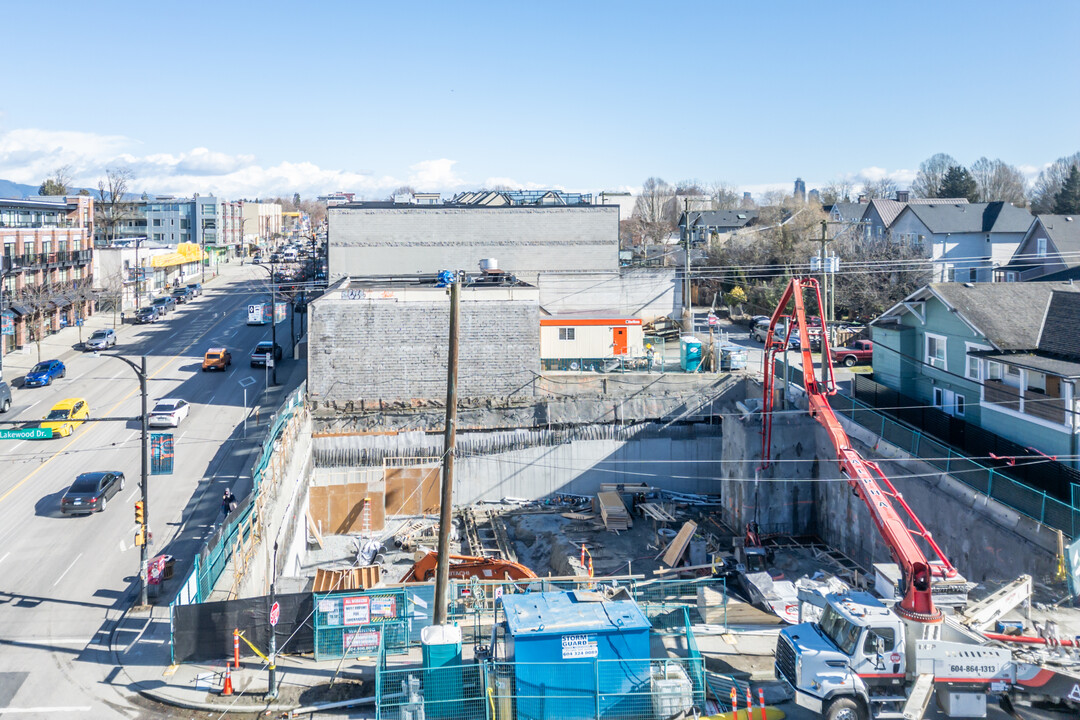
point(253, 99)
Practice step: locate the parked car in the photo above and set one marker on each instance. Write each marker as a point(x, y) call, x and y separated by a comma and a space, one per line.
point(181, 295)
point(166, 303)
point(101, 339)
point(169, 412)
point(760, 331)
point(91, 492)
point(5, 397)
point(65, 416)
point(148, 314)
point(258, 355)
point(195, 288)
point(216, 359)
point(754, 320)
point(859, 352)
point(44, 373)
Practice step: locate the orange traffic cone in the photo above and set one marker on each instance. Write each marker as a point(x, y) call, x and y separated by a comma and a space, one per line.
point(227, 689)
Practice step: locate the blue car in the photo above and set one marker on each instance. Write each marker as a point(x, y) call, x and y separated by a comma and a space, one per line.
point(44, 372)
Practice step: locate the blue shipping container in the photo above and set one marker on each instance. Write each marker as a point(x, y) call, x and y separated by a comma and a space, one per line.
point(577, 656)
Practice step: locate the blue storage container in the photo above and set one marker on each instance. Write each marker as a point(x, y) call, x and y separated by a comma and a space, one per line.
point(689, 353)
point(577, 656)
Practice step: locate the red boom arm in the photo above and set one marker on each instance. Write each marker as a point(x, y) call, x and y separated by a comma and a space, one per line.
point(865, 477)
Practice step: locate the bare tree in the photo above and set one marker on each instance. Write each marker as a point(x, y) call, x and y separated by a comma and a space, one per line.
point(837, 191)
point(653, 210)
point(724, 195)
point(111, 204)
point(82, 294)
point(994, 180)
point(877, 273)
point(931, 174)
point(1049, 183)
point(110, 295)
point(884, 188)
point(37, 298)
point(403, 190)
point(57, 183)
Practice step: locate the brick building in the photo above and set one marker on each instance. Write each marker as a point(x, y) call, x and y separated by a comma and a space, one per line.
point(46, 277)
point(386, 340)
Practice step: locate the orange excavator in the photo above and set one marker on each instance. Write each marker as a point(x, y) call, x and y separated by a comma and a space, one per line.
point(463, 567)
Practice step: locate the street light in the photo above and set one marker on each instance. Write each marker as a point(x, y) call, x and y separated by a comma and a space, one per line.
point(273, 318)
point(140, 371)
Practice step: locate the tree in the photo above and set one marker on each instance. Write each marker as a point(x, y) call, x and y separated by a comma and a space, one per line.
point(995, 181)
point(1049, 183)
point(58, 183)
point(37, 298)
point(958, 183)
point(882, 274)
point(1067, 201)
point(111, 208)
point(883, 188)
point(837, 191)
point(82, 296)
point(735, 298)
point(296, 199)
point(403, 190)
point(724, 196)
point(654, 211)
point(931, 174)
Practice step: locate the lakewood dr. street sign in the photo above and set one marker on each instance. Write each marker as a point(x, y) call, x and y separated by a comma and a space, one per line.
point(27, 434)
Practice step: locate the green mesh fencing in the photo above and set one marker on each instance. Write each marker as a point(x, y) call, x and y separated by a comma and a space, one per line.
point(361, 624)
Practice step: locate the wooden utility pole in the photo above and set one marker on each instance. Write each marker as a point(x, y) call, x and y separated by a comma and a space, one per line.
point(442, 568)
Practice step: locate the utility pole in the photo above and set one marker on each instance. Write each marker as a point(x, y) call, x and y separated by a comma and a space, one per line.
point(442, 568)
point(824, 280)
point(687, 303)
point(272, 692)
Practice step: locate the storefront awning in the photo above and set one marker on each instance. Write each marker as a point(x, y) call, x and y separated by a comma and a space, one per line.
point(20, 309)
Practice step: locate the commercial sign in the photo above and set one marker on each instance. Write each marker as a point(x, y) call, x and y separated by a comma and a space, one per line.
point(27, 434)
point(162, 451)
point(360, 640)
point(579, 646)
point(7, 323)
point(357, 610)
point(383, 608)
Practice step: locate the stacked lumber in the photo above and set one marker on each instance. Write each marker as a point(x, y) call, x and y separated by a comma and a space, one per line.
point(613, 511)
point(360, 578)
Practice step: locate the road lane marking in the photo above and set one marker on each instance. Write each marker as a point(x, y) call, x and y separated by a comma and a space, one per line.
point(68, 569)
point(2, 559)
point(134, 492)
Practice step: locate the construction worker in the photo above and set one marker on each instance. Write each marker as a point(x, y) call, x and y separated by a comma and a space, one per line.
point(650, 356)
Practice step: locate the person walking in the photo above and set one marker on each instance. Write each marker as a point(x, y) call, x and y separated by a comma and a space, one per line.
point(650, 355)
point(228, 503)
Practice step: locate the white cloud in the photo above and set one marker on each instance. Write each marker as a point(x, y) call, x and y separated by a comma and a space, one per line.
point(434, 174)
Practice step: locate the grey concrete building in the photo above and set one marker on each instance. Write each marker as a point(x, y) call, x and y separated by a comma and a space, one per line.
point(375, 341)
point(383, 238)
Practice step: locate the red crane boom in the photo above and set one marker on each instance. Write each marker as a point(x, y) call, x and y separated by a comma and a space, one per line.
point(864, 477)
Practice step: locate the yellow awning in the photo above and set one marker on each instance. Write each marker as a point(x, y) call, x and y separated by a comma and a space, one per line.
point(185, 253)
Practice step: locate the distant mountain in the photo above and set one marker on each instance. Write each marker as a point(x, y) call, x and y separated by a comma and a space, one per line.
point(9, 189)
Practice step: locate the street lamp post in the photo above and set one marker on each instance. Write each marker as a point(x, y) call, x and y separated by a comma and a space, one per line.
point(144, 560)
point(273, 318)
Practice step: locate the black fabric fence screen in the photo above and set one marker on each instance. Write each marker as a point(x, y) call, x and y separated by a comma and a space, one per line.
point(204, 631)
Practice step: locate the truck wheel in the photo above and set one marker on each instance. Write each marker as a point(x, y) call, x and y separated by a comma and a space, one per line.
point(844, 708)
point(849, 361)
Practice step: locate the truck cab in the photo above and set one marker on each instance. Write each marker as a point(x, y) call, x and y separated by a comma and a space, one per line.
point(848, 662)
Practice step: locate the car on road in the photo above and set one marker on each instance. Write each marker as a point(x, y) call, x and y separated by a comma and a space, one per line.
point(258, 355)
point(859, 352)
point(44, 373)
point(169, 412)
point(760, 330)
point(101, 339)
point(91, 492)
point(148, 314)
point(195, 288)
point(5, 397)
point(216, 359)
point(181, 295)
point(65, 416)
point(165, 303)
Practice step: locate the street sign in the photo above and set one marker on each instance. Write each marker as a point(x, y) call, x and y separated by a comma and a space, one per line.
point(275, 614)
point(27, 434)
point(713, 320)
point(269, 360)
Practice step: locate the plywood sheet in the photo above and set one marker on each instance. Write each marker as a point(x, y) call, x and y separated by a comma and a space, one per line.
point(678, 545)
point(431, 495)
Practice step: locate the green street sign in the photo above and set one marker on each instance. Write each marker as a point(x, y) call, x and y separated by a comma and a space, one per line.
point(27, 434)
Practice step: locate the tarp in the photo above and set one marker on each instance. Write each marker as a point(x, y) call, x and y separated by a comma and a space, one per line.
point(204, 631)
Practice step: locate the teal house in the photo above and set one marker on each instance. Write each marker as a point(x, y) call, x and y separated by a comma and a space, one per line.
point(1003, 356)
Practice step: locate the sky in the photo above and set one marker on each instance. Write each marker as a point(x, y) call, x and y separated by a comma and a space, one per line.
point(248, 100)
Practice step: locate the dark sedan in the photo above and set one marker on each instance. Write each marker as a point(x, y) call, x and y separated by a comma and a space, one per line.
point(44, 373)
point(91, 492)
point(261, 351)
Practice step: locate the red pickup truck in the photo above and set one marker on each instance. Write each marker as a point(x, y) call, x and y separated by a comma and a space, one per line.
point(861, 351)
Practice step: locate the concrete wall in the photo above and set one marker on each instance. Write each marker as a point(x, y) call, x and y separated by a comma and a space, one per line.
point(526, 241)
point(392, 346)
point(638, 292)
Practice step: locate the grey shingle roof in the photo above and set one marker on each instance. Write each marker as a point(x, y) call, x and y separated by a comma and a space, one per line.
point(1064, 231)
point(848, 210)
point(997, 217)
point(1010, 315)
point(1061, 331)
point(722, 218)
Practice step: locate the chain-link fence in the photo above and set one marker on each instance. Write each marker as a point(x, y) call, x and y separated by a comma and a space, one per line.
point(359, 624)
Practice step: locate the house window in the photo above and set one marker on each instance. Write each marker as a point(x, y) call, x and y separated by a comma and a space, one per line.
point(1012, 376)
point(939, 397)
point(972, 370)
point(993, 371)
point(1040, 244)
point(963, 274)
point(960, 405)
point(157, 222)
point(1010, 276)
point(935, 351)
point(566, 333)
point(1036, 381)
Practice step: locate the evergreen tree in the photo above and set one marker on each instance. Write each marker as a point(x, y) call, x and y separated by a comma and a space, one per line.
point(959, 183)
point(1067, 200)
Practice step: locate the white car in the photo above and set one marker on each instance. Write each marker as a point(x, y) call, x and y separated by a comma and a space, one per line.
point(169, 412)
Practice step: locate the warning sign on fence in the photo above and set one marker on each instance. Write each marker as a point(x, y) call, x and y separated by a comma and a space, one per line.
point(357, 610)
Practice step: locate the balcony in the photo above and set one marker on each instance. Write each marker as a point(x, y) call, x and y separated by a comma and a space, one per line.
point(1036, 404)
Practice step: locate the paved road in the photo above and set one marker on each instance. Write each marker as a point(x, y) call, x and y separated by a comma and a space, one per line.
point(63, 580)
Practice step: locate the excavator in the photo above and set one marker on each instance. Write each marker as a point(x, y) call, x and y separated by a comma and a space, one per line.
point(463, 567)
point(864, 660)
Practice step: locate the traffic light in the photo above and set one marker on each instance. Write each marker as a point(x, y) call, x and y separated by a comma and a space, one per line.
point(140, 537)
point(140, 516)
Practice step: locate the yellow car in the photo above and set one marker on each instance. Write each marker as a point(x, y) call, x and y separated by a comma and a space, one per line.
point(65, 416)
